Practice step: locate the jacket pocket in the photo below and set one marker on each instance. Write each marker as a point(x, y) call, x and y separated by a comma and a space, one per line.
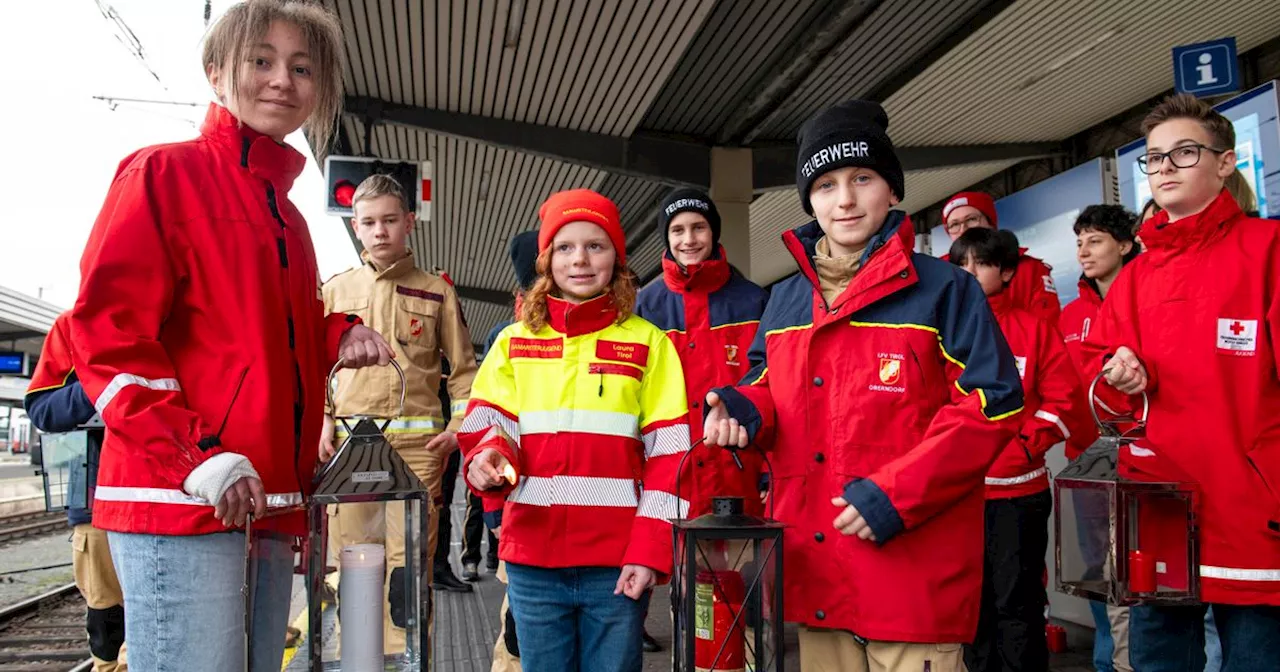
point(1256, 461)
point(219, 423)
point(416, 321)
point(353, 306)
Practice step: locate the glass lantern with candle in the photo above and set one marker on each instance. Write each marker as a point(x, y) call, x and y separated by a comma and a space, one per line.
point(726, 591)
point(1129, 542)
point(366, 468)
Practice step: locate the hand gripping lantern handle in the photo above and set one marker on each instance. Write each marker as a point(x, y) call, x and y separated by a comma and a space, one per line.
point(1105, 427)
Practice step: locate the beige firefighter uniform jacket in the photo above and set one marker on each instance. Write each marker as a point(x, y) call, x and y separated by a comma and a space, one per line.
point(418, 314)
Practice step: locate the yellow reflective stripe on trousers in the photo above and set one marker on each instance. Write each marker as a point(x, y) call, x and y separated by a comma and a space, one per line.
point(422, 424)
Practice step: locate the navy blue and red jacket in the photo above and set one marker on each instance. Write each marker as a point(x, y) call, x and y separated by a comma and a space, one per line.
point(711, 313)
point(55, 402)
point(897, 397)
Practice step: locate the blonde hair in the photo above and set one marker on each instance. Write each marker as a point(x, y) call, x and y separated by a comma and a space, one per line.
point(229, 41)
point(377, 185)
point(1240, 190)
point(533, 307)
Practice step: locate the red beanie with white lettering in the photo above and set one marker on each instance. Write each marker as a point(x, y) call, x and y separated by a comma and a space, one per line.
point(853, 133)
point(975, 199)
point(581, 205)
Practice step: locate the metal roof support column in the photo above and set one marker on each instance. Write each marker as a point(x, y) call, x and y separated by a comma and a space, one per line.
point(732, 190)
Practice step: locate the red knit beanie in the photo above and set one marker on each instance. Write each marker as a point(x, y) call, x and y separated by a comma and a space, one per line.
point(581, 205)
point(974, 199)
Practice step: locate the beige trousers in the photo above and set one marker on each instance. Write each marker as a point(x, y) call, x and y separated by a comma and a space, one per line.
point(823, 650)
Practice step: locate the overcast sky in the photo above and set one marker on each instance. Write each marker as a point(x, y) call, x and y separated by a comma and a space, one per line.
point(61, 147)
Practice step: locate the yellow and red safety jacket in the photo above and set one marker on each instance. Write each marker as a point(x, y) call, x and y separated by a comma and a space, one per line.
point(591, 414)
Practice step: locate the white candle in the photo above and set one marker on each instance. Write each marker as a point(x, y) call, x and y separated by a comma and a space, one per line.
point(360, 594)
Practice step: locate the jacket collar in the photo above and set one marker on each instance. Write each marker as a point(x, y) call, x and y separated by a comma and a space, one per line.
point(703, 277)
point(275, 162)
point(583, 318)
point(884, 268)
point(1001, 303)
point(1164, 238)
point(1089, 291)
point(399, 268)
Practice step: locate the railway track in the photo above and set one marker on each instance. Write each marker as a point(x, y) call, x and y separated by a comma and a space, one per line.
point(22, 525)
point(45, 633)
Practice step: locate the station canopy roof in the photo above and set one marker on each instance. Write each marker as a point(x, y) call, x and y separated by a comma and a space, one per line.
point(514, 99)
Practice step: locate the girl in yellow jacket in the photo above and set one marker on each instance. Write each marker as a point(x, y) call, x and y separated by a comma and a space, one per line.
point(575, 431)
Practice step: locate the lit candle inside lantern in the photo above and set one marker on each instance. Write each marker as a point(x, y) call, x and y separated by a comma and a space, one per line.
point(360, 593)
point(509, 473)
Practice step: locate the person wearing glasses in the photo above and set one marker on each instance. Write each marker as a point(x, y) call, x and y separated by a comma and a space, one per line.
point(1193, 324)
point(1032, 287)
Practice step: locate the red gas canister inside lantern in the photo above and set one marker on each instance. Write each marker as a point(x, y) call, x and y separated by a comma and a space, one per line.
point(721, 644)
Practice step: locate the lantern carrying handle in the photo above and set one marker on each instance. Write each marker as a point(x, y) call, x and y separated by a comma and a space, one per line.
point(1094, 403)
point(328, 386)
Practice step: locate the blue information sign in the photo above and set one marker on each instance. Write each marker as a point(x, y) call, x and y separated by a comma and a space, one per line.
point(1207, 68)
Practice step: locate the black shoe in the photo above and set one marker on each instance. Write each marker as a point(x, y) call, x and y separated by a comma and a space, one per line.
point(470, 572)
point(445, 580)
point(491, 563)
point(651, 645)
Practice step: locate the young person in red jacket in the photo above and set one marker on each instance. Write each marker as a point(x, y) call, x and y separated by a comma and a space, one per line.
point(584, 403)
point(710, 313)
point(201, 339)
point(1105, 243)
point(1011, 624)
point(881, 381)
point(1032, 286)
point(1193, 323)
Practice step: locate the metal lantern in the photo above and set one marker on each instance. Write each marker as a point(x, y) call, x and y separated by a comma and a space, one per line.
point(64, 466)
point(367, 468)
point(726, 591)
point(1130, 542)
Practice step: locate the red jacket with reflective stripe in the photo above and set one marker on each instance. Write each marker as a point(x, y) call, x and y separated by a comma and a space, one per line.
point(1076, 323)
point(897, 396)
point(199, 328)
point(1054, 408)
point(1201, 308)
point(711, 315)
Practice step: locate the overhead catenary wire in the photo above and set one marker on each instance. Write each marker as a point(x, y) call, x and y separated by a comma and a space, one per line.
point(127, 37)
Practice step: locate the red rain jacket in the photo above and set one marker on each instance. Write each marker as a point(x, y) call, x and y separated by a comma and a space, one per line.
point(1201, 308)
point(199, 328)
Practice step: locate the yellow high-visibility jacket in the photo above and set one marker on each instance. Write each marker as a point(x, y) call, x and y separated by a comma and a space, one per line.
point(592, 415)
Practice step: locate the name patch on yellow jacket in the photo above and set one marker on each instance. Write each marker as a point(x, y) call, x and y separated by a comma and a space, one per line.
point(536, 348)
point(631, 353)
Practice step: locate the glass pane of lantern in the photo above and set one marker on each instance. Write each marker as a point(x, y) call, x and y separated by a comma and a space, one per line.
point(733, 589)
point(64, 467)
point(1084, 539)
point(364, 538)
point(1161, 556)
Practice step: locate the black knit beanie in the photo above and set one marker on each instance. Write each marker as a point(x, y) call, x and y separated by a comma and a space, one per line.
point(852, 133)
point(690, 200)
point(524, 257)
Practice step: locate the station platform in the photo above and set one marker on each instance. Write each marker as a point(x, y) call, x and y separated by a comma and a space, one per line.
point(467, 624)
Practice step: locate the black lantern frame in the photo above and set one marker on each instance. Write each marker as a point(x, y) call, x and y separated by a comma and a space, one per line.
point(759, 616)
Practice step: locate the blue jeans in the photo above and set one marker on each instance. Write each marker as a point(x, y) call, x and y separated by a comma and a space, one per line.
point(183, 604)
point(1172, 639)
point(1103, 646)
point(1212, 645)
point(569, 620)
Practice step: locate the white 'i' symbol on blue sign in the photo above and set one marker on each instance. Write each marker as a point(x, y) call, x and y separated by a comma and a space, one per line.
point(1206, 70)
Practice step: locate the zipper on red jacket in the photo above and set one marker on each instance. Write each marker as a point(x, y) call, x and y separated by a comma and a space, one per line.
point(282, 251)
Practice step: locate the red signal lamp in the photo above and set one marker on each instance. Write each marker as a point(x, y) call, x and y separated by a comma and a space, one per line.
point(343, 193)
